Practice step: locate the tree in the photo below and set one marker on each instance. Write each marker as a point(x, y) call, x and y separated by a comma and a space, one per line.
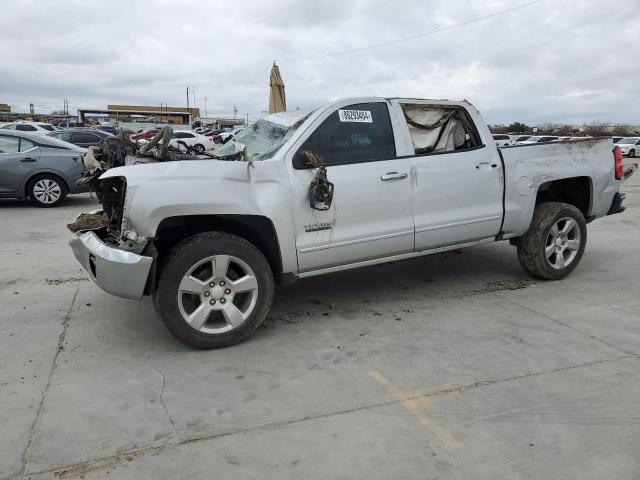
point(518, 127)
point(596, 129)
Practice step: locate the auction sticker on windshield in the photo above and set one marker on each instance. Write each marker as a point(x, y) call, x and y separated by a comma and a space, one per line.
point(355, 116)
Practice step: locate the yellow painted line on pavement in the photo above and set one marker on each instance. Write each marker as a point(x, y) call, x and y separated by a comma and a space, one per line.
point(415, 403)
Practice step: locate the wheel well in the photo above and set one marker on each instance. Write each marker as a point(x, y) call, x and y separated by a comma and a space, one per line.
point(575, 191)
point(40, 174)
point(254, 228)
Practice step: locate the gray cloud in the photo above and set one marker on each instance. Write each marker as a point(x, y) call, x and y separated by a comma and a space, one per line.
point(568, 60)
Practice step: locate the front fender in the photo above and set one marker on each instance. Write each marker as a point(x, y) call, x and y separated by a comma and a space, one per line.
point(194, 187)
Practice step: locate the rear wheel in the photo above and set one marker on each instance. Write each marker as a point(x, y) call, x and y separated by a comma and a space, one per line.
point(46, 190)
point(215, 290)
point(553, 246)
point(199, 148)
point(632, 153)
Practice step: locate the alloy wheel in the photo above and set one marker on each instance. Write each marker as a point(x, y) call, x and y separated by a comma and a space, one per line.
point(217, 294)
point(563, 243)
point(47, 191)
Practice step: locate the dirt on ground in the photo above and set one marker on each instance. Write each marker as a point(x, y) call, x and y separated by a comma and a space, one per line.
point(62, 281)
point(505, 285)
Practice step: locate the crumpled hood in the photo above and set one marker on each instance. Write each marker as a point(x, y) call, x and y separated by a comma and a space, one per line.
point(181, 170)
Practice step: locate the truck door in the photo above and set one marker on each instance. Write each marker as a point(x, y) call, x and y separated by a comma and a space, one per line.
point(18, 157)
point(371, 212)
point(458, 181)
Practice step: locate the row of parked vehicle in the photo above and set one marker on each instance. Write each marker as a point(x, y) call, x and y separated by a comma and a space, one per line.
point(201, 139)
point(509, 140)
point(42, 162)
point(630, 146)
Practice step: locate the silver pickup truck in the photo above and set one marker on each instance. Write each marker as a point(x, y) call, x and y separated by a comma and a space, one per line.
point(357, 182)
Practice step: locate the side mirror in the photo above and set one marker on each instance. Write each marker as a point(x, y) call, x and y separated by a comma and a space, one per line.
point(320, 191)
point(305, 160)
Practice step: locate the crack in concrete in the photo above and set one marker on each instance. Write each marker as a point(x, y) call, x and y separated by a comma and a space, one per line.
point(26, 454)
point(566, 325)
point(162, 402)
point(137, 453)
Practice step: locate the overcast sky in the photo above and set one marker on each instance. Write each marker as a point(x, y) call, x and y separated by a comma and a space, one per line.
point(555, 61)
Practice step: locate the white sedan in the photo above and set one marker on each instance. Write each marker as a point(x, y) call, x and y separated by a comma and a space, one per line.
point(630, 146)
point(192, 139)
point(38, 128)
point(540, 139)
point(502, 140)
point(226, 136)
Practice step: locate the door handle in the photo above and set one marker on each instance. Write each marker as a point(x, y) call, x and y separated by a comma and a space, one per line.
point(388, 177)
point(28, 159)
point(492, 165)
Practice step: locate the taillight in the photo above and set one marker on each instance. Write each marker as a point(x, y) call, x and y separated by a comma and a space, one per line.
point(617, 156)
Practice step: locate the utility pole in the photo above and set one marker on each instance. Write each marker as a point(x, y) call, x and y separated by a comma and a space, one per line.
point(247, 119)
point(187, 98)
point(235, 111)
point(205, 108)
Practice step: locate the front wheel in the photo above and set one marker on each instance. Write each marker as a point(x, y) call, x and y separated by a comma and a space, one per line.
point(553, 246)
point(199, 148)
point(46, 190)
point(215, 290)
point(632, 153)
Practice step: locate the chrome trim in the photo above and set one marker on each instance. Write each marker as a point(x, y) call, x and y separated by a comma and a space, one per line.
point(115, 271)
point(354, 242)
point(457, 224)
point(394, 258)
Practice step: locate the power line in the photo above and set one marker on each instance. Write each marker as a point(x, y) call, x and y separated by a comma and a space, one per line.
point(412, 37)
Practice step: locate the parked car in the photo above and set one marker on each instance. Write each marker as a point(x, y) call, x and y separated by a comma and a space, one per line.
point(502, 140)
point(225, 136)
point(145, 134)
point(82, 137)
point(33, 127)
point(629, 146)
point(212, 135)
point(520, 138)
point(200, 142)
point(540, 139)
point(208, 239)
point(67, 124)
point(39, 167)
point(107, 128)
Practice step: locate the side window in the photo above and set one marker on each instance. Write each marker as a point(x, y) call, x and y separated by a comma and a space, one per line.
point(84, 137)
point(26, 145)
point(9, 127)
point(66, 136)
point(353, 134)
point(25, 128)
point(440, 128)
point(9, 144)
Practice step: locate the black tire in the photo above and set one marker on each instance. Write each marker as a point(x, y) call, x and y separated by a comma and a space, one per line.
point(532, 245)
point(38, 200)
point(187, 254)
point(632, 153)
point(199, 148)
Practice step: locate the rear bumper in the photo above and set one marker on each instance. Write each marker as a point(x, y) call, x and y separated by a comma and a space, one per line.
point(115, 271)
point(616, 204)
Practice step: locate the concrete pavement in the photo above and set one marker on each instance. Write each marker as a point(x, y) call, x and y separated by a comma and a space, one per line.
point(429, 368)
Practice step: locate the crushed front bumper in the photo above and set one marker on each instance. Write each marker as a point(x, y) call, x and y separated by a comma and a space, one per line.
point(115, 271)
